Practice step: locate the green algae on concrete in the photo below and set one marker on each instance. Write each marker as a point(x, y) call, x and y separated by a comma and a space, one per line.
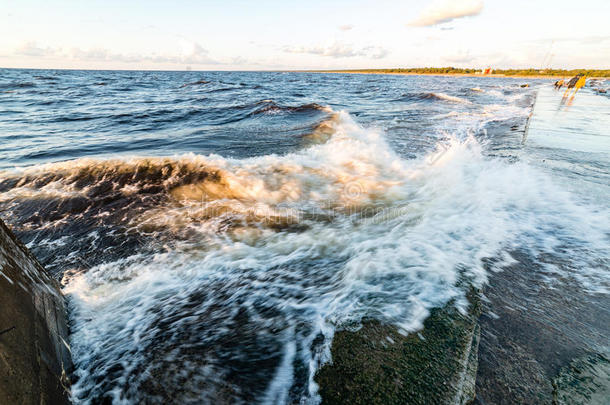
point(34, 354)
point(585, 381)
point(378, 365)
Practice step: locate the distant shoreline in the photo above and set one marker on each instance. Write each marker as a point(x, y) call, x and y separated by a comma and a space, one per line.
point(348, 71)
point(496, 75)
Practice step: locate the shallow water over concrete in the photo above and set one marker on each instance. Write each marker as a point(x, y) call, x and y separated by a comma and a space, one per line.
point(214, 230)
point(539, 324)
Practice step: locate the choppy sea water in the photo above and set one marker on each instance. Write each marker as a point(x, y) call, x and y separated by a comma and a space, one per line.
point(212, 229)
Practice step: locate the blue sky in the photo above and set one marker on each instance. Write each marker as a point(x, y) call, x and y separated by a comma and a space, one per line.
point(257, 35)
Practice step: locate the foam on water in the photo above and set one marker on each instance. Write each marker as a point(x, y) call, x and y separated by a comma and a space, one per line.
point(364, 233)
point(205, 278)
point(447, 97)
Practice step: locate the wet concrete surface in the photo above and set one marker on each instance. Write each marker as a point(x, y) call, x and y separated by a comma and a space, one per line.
point(34, 353)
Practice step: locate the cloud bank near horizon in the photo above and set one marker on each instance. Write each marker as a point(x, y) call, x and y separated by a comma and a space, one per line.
point(339, 50)
point(443, 11)
point(191, 53)
point(346, 27)
point(279, 36)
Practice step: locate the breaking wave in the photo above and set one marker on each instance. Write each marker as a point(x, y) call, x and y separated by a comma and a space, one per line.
point(433, 97)
point(269, 106)
point(196, 83)
point(447, 97)
point(249, 265)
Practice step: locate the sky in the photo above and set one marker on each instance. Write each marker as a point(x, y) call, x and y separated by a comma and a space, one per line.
point(313, 34)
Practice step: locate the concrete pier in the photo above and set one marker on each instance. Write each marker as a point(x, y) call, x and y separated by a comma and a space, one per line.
point(548, 343)
point(522, 342)
point(34, 353)
point(569, 138)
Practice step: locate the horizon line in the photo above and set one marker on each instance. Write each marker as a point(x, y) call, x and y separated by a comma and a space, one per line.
point(295, 70)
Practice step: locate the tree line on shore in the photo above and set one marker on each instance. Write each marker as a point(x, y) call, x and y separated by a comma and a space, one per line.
point(507, 72)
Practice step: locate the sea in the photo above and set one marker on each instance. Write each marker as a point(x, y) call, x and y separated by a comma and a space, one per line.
point(213, 230)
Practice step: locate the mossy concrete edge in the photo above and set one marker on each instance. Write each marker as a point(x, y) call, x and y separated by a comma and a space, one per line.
point(35, 358)
point(378, 365)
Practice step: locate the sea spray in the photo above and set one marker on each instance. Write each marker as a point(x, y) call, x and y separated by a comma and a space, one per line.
point(222, 275)
point(370, 235)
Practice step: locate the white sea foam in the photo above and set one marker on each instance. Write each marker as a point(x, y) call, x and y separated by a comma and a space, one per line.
point(380, 236)
point(454, 99)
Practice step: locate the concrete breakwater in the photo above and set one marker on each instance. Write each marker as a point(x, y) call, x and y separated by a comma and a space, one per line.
point(530, 336)
point(379, 365)
point(34, 352)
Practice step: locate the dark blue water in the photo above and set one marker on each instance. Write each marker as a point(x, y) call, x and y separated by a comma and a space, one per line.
point(57, 115)
point(213, 229)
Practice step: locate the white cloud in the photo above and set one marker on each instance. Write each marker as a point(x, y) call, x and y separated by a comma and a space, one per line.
point(441, 11)
point(32, 49)
point(192, 53)
point(346, 27)
point(335, 51)
point(375, 52)
point(592, 39)
point(338, 50)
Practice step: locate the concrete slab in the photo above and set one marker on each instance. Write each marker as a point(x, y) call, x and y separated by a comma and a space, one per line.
point(34, 353)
